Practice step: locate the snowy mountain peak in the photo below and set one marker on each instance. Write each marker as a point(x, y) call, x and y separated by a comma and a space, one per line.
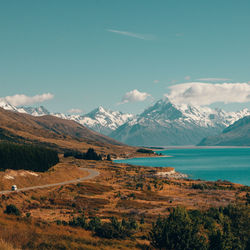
point(101, 120)
point(35, 111)
point(101, 109)
point(6, 105)
point(167, 123)
point(104, 121)
point(39, 111)
point(163, 123)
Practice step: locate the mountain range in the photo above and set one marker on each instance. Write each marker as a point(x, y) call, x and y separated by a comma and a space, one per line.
point(164, 123)
point(237, 134)
point(100, 120)
point(60, 134)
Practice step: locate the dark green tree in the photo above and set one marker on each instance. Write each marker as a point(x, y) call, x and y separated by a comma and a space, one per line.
point(176, 232)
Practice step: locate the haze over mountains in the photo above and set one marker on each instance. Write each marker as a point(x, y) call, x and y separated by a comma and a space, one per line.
point(163, 123)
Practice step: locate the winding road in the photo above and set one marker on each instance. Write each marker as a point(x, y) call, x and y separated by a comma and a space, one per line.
point(92, 174)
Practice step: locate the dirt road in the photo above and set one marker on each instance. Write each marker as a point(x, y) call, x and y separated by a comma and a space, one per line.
point(92, 174)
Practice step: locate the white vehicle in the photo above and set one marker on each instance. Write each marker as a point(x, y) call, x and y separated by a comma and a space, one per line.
point(14, 188)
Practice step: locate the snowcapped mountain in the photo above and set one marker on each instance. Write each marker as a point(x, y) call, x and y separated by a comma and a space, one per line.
point(6, 105)
point(39, 111)
point(236, 134)
point(166, 123)
point(100, 120)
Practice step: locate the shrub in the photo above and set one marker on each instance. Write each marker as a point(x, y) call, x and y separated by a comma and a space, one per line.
point(12, 209)
point(78, 222)
point(94, 223)
point(114, 229)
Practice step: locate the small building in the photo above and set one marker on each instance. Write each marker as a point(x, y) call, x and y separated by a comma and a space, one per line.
point(14, 188)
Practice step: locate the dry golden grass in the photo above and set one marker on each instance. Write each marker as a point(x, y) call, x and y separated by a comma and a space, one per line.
point(6, 245)
point(34, 234)
point(113, 193)
point(59, 133)
point(63, 171)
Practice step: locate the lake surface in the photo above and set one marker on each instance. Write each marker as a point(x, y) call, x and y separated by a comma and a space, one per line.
point(232, 164)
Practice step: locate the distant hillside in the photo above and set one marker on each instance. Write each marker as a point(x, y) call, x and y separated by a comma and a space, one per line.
point(237, 134)
point(54, 132)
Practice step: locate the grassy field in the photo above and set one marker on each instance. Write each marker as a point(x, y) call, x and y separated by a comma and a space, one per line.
point(120, 190)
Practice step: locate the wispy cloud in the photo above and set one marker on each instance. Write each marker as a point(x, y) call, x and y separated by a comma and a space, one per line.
point(187, 78)
point(20, 99)
point(131, 34)
point(75, 111)
point(213, 79)
point(134, 96)
point(198, 93)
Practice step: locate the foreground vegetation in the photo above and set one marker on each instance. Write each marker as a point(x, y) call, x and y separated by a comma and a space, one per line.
point(217, 228)
point(214, 229)
point(28, 157)
point(126, 207)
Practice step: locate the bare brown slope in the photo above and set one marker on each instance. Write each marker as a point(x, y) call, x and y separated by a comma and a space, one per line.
point(54, 131)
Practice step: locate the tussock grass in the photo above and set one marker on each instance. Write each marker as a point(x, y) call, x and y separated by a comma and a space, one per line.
point(6, 245)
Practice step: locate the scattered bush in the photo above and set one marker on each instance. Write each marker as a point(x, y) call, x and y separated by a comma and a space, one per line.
point(78, 222)
point(12, 209)
point(109, 230)
point(116, 229)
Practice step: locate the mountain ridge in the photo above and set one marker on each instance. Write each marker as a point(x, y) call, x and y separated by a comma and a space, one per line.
point(57, 133)
point(237, 134)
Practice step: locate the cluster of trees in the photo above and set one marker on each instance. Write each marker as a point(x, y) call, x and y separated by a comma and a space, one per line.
point(112, 229)
point(217, 228)
point(145, 151)
point(89, 155)
point(28, 157)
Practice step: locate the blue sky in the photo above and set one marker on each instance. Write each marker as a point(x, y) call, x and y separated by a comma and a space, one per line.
point(92, 52)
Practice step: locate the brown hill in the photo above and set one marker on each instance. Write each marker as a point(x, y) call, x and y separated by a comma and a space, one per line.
point(55, 132)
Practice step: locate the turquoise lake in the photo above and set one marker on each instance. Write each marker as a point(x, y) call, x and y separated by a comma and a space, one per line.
point(232, 164)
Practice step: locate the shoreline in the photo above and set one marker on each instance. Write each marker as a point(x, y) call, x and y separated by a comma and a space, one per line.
point(141, 156)
point(214, 177)
point(164, 148)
